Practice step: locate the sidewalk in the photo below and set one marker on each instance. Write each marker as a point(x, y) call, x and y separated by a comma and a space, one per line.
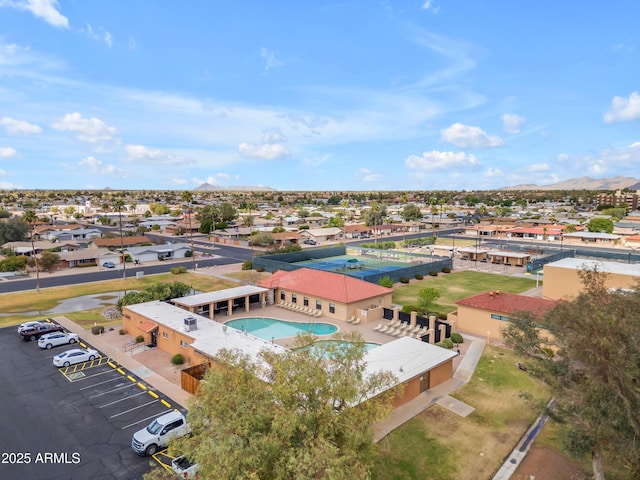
point(437, 395)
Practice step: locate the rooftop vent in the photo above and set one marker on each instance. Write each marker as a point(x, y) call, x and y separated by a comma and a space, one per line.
point(190, 324)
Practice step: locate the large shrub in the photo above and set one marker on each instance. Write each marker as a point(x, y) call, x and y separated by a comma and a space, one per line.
point(177, 359)
point(247, 264)
point(457, 338)
point(97, 329)
point(386, 282)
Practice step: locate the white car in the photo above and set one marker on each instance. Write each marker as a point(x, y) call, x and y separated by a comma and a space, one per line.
point(75, 355)
point(25, 325)
point(58, 338)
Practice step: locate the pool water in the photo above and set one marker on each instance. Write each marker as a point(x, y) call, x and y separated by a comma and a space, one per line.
point(327, 348)
point(270, 328)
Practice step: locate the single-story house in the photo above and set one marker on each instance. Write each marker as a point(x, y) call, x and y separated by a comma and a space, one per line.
point(158, 252)
point(332, 294)
point(323, 234)
point(487, 313)
point(117, 242)
point(562, 279)
point(75, 234)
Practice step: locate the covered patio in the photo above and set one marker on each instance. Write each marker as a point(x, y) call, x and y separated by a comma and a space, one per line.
point(210, 303)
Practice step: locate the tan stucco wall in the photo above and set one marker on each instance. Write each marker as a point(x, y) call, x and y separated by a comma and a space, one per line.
point(564, 283)
point(171, 344)
point(343, 311)
point(441, 373)
point(478, 321)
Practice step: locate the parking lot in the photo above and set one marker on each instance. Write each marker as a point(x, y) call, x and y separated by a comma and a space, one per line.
point(75, 422)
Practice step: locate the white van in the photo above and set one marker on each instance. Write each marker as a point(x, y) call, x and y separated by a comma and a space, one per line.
point(157, 434)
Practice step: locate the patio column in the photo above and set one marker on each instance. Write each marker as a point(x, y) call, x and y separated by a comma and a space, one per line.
point(246, 303)
point(212, 307)
point(432, 329)
point(396, 314)
point(443, 331)
point(414, 318)
point(229, 307)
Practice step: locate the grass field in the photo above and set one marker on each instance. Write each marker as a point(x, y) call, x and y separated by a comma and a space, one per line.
point(20, 303)
point(458, 285)
point(440, 445)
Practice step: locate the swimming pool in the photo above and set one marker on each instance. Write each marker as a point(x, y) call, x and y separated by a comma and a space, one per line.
point(271, 328)
point(325, 348)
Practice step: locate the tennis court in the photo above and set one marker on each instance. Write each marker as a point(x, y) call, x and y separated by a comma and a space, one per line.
point(357, 266)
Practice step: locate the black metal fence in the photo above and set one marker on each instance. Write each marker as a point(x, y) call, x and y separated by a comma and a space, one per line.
point(422, 321)
point(286, 262)
point(537, 263)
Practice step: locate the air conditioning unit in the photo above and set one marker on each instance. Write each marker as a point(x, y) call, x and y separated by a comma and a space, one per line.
point(190, 324)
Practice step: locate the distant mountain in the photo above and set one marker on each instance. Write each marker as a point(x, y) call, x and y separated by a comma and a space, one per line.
point(584, 183)
point(255, 188)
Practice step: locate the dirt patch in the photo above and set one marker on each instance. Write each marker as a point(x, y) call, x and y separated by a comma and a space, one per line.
point(547, 464)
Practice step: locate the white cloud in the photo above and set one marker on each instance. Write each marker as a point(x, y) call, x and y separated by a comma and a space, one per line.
point(270, 60)
point(98, 167)
point(624, 109)
point(367, 175)
point(3, 173)
point(45, 9)
point(435, 160)
point(7, 152)
point(178, 181)
point(494, 172)
point(271, 147)
point(19, 127)
point(267, 151)
point(88, 129)
point(465, 136)
point(101, 35)
point(562, 157)
point(430, 7)
point(538, 167)
point(512, 123)
point(140, 153)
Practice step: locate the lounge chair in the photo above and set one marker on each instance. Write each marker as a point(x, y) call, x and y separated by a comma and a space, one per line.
point(356, 321)
point(351, 319)
point(379, 327)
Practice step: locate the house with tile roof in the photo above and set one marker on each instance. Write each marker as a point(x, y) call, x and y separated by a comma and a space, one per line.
point(117, 242)
point(332, 294)
point(487, 313)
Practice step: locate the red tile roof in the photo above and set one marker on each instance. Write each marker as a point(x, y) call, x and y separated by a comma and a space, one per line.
point(115, 241)
point(508, 303)
point(332, 286)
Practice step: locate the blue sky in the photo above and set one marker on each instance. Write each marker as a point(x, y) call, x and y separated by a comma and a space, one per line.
point(343, 95)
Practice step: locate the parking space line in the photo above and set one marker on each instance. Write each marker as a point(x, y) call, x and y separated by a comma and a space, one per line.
point(84, 376)
point(141, 421)
point(134, 408)
point(120, 400)
point(100, 383)
point(109, 391)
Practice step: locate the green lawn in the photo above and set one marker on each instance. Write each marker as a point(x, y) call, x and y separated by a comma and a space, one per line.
point(458, 285)
point(18, 304)
point(440, 445)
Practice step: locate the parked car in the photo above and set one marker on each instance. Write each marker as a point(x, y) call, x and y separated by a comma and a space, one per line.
point(183, 467)
point(157, 434)
point(109, 265)
point(58, 338)
point(36, 331)
point(25, 325)
point(310, 241)
point(73, 356)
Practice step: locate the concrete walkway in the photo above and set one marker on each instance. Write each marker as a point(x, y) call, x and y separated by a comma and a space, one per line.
point(437, 395)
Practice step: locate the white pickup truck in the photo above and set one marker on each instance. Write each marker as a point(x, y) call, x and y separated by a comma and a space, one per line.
point(183, 467)
point(157, 434)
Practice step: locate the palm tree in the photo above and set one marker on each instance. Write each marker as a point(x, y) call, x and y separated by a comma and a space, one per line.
point(30, 217)
point(188, 197)
point(118, 205)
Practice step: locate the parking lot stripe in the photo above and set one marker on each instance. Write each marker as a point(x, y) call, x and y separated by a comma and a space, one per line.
point(165, 403)
point(110, 391)
point(113, 365)
point(120, 400)
point(143, 387)
point(131, 378)
point(120, 370)
point(100, 383)
point(153, 394)
point(144, 420)
point(134, 408)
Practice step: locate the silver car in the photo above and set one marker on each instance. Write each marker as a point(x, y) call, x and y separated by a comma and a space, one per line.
point(75, 355)
point(57, 338)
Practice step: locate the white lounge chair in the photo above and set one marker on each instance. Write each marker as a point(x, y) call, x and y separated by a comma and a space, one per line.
point(351, 319)
point(379, 327)
point(356, 321)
